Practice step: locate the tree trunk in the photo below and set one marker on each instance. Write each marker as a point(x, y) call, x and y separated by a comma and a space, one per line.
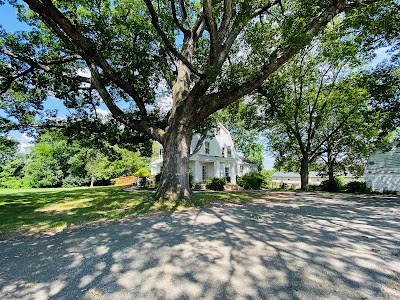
point(304, 173)
point(330, 164)
point(331, 176)
point(92, 180)
point(174, 181)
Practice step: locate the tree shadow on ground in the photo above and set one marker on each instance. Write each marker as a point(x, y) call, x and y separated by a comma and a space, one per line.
point(294, 246)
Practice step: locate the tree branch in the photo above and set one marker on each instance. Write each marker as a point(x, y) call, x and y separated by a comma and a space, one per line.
point(116, 112)
point(226, 19)
point(68, 33)
point(44, 66)
point(212, 30)
point(216, 101)
point(168, 44)
point(181, 26)
point(10, 80)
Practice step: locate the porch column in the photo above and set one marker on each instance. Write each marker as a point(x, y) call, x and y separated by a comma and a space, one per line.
point(197, 172)
point(217, 169)
point(233, 169)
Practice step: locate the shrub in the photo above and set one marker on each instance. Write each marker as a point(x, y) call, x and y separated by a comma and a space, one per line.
point(284, 186)
point(251, 181)
point(15, 183)
point(142, 172)
point(356, 186)
point(332, 185)
point(74, 181)
point(216, 184)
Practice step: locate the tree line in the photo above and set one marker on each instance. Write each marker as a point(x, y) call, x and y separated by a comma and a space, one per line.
point(54, 160)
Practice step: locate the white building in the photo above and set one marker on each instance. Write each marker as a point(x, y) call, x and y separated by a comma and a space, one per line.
point(293, 179)
point(382, 172)
point(213, 156)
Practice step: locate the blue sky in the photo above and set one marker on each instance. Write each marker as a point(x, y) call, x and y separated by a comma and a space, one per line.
point(9, 21)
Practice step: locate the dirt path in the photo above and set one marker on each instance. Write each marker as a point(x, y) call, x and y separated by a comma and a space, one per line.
point(289, 246)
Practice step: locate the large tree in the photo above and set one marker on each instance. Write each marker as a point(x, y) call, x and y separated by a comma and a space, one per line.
point(314, 106)
point(204, 54)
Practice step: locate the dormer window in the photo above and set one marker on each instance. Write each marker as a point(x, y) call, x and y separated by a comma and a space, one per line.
point(207, 147)
point(217, 131)
point(229, 150)
point(223, 151)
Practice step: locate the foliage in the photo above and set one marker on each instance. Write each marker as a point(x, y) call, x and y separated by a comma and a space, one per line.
point(56, 160)
point(215, 183)
point(142, 172)
point(74, 181)
point(8, 149)
point(267, 178)
point(204, 55)
point(252, 181)
point(333, 185)
point(357, 186)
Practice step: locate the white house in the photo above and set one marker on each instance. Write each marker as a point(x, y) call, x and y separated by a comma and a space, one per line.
point(292, 178)
point(382, 172)
point(213, 155)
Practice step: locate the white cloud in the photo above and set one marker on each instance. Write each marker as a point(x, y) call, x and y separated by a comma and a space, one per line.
point(25, 143)
point(164, 104)
point(103, 112)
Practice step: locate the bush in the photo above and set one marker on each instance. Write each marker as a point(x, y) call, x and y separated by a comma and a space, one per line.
point(142, 172)
point(356, 186)
point(74, 181)
point(332, 185)
point(251, 181)
point(15, 183)
point(216, 184)
point(284, 186)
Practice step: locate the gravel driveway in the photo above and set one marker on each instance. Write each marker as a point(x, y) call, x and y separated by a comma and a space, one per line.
point(280, 246)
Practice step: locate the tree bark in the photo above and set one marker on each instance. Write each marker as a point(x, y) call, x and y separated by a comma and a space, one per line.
point(92, 180)
point(330, 164)
point(304, 173)
point(174, 181)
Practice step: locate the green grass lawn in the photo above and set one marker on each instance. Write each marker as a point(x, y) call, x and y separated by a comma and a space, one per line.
point(33, 211)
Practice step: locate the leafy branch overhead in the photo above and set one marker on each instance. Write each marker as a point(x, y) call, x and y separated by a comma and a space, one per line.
point(129, 47)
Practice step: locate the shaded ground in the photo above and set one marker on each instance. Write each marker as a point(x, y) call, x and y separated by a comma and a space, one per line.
point(284, 246)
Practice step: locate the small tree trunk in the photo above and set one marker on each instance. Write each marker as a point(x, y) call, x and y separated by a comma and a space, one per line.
point(92, 180)
point(330, 164)
point(304, 173)
point(331, 176)
point(174, 181)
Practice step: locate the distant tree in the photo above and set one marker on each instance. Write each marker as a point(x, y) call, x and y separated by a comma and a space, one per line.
point(311, 103)
point(97, 166)
point(8, 149)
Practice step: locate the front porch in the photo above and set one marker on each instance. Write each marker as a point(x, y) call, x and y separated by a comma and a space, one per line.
point(214, 167)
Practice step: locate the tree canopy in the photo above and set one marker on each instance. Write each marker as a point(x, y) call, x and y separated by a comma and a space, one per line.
point(131, 55)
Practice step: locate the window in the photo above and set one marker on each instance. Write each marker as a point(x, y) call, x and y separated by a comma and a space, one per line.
point(226, 172)
point(204, 172)
point(207, 147)
point(217, 131)
point(223, 152)
point(161, 152)
point(241, 169)
point(229, 149)
point(288, 179)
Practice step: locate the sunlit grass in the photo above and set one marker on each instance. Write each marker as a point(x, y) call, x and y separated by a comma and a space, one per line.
point(40, 210)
